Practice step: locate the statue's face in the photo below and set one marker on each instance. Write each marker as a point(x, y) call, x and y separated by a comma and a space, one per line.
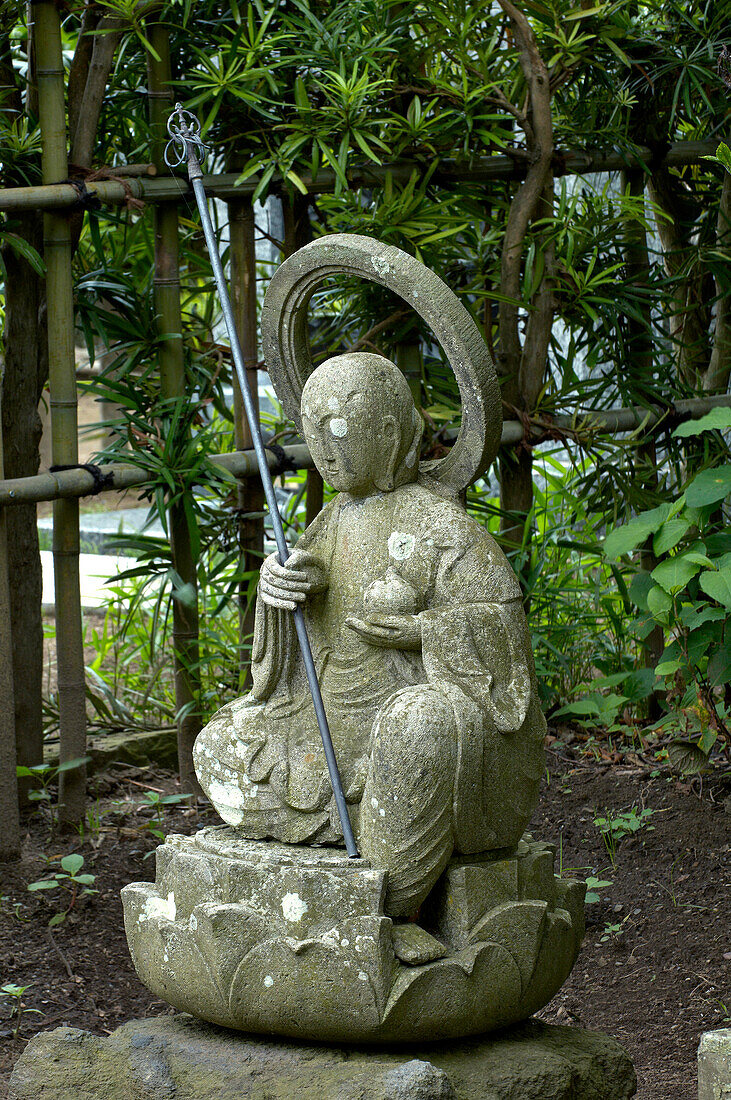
point(347, 440)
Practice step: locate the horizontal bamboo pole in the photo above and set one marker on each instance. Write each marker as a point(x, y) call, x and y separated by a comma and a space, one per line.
point(78, 483)
point(613, 421)
point(224, 186)
point(242, 464)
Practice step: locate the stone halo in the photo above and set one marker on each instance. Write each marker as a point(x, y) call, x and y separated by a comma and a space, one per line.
point(286, 348)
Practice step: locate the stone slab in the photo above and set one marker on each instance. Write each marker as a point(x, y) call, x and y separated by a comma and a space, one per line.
point(179, 1058)
point(714, 1065)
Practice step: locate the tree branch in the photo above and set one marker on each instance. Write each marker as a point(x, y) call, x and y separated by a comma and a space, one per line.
point(524, 206)
point(719, 369)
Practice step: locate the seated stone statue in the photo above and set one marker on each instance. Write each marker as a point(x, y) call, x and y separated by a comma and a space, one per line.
point(422, 651)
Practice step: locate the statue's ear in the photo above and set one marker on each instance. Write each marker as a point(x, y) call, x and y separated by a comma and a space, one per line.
point(386, 477)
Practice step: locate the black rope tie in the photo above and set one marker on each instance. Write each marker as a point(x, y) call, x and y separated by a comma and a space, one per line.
point(101, 481)
point(85, 199)
point(284, 462)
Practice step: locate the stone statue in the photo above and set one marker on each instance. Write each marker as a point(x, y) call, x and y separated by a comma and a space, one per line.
point(452, 921)
point(423, 654)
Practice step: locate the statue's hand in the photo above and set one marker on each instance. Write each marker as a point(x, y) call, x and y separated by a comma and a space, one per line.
point(389, 631)
point(290, 584)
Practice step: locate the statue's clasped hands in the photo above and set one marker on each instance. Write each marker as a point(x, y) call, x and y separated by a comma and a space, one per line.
point(387, 630)
point(286, 586)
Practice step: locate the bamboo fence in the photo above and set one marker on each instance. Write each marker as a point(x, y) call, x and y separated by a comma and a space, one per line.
point(154, 185)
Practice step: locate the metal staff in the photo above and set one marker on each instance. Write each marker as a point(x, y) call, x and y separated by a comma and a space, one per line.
point(185, 146)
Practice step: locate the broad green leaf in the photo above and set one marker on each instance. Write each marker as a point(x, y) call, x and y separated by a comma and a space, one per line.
point(658, 601)
point(719, 667)
point(693, 618)
point(639, 588)
point(709, 486)
point(667, 668)
point(687, 757)
point(72, 863)
point(717, 419)
point(630, 535)
point(43, 884)
point(670, 534)
point(718, 585)
point(57, 919)
point(674, 573)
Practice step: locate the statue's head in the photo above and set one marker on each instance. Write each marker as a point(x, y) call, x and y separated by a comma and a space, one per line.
point(361, 424)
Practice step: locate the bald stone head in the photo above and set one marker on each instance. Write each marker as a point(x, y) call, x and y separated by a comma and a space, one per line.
point(361, 424)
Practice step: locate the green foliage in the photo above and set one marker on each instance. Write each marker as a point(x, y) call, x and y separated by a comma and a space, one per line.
point(156, 802)
point(593, 886)
point(43, 776)
point(71, 879)
point(17, 1006)
point(688, 594)
point(615, 827)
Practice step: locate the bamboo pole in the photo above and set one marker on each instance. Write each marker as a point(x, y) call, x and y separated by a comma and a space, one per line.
point(250, 497)
point(225, 186)
point(64, 426)
point(172, 387)
point(9, 813)
point(242, 464)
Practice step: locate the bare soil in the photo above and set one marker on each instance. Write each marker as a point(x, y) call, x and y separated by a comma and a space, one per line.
point(654, 980)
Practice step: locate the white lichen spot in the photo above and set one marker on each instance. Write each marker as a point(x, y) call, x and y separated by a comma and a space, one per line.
point(159, 908)
point(400, 545)
point(345, 942)
point(374, 803)
point(228, 801)
point(193, 922)
point(268, 981)
point(293, 907)
point(381, 813)
point(362, 975)
point(165, 957)
point(339, 426)
point(333, 403)
point(380, 265)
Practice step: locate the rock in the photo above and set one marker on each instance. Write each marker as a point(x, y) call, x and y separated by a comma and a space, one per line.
point(179, 1058)
point(414, 946)
point(714, 1065)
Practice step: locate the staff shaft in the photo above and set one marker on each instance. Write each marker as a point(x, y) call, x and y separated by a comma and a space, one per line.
point(266, 478)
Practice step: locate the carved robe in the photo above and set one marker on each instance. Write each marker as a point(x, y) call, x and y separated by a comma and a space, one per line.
point(271, 778)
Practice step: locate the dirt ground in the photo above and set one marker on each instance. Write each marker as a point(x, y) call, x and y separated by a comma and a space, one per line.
point(655, 979)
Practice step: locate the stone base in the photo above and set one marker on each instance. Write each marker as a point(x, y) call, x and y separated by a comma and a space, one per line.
point(278, 939)
point(179, 1058)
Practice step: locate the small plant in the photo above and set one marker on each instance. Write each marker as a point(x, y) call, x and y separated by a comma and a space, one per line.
point(615, 827)
point(593, 885)
point(44, 776)
point(157, 802)
point(17, 1009)
point(613, 931)
point(69, 879)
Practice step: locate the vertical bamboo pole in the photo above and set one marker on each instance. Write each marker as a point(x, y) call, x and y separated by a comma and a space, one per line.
point(250, 496)
point(64, 428)
point(172, 385)
point(10, 832)
point(298, 233)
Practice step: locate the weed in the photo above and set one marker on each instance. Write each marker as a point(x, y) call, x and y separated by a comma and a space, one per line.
point(615, 827)
point(157, 802)
point(43, 777)
point(593, 885)
point(70, 880)
point(17, 1009)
